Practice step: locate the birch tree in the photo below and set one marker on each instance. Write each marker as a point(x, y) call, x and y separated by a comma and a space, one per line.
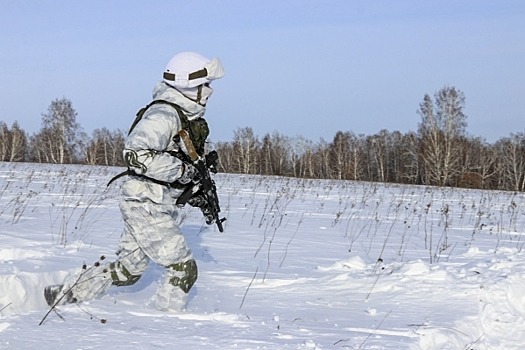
point(105, 147)
point(17, 144)
point(442, 124)
point(57, 140)
point(246, 149)
point(4, 141)
point(512, 162)
point(13, 143)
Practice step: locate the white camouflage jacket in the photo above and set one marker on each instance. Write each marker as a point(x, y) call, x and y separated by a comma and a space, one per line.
point(148, 142)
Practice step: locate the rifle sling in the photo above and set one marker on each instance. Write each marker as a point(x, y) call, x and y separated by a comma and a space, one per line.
point(192, 152)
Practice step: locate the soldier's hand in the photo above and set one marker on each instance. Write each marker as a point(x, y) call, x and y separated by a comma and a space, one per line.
point(200, 201)
point(190, 173)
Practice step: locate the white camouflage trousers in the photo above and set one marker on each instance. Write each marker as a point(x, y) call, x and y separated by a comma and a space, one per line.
point(150, 233)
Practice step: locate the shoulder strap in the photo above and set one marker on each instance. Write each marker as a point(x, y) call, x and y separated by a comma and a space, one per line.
point(198, 128)
point(185, 124)
point(183, 118)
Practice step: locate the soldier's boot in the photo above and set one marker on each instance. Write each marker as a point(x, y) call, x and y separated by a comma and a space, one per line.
point(173, 291)
point(56, 295)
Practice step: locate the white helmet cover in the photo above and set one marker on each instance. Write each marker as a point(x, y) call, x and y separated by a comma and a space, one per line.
point(189, 69)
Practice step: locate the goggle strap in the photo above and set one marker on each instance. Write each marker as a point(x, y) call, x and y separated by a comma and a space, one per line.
point(203, 73)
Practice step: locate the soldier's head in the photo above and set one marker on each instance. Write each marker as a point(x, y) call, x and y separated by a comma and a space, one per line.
point(191, 74)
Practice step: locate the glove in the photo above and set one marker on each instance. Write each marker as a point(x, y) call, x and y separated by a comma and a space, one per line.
point(199, 201)
point(189, 174)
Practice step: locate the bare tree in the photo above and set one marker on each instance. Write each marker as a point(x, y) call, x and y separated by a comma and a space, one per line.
point(117, 147)
point(299, 146)
point(380, 148)
point(58, 139)
point(105, 147)
point(512, 162)
point(226, 157)
point(488, 166)
point(13, 143)
point(410, 169)
point(442, 125)
point(479, 161)
point(266, 156)
point(322, 166)
point(347, 156)
point(339, 151)
point(4, 141)
point(395, 147)
point(17, 144)
point(356, 157)
point(275, 154)
point(307, 161)
point(246, 149)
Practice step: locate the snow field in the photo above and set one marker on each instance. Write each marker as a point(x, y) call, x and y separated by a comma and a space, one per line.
point(302, 264)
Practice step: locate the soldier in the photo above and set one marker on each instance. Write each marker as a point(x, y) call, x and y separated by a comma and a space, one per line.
point(159, 169)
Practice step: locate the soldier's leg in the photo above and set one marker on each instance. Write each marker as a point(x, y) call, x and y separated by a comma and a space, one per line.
point(161, 239)
point(94, 281)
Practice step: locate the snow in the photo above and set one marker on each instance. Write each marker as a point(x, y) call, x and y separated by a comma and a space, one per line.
point(302, 264)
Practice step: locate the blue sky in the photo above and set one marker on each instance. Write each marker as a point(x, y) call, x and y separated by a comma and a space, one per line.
point(299, 67)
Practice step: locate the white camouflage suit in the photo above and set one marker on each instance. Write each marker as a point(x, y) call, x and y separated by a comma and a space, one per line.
point(148, 209)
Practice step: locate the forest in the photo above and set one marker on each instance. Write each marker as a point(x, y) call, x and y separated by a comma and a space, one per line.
point(439, 153)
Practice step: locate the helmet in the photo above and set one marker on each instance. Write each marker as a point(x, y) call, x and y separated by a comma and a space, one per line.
point(187, 70)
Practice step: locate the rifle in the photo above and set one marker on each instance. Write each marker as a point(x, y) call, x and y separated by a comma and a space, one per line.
point(205, 184)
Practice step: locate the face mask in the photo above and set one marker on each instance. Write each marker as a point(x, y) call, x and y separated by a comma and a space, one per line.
point(199, 94)
point(205, 92)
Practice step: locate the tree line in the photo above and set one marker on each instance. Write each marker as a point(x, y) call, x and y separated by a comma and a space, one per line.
point(440, 153)
point(61, 140)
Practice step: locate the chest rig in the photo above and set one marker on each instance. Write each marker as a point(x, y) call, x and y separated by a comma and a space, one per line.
point(196, 129)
